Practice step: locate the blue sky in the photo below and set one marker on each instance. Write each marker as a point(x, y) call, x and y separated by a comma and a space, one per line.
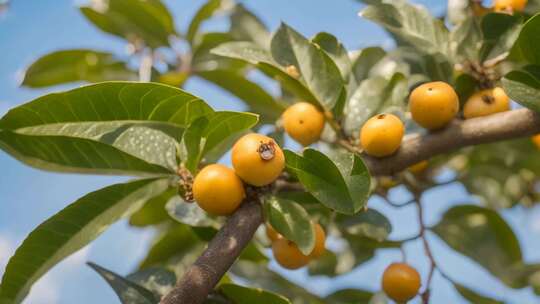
point(28, 196)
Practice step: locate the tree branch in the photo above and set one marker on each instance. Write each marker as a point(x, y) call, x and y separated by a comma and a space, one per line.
point(227, 245)
point(461, 133)
point(222, 252)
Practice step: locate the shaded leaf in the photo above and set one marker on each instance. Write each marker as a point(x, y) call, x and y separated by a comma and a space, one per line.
point(153, 212)
point(319, 72)
point(148, 20)
point(204, 60)
point(485, 237)
point(156, 279)
point(526, 43)
point(292, 221)
point(245, 295)
point(500, 32)
point(466, 40)
point(365, 60)
point(246, 26)
point(206, 11)
point(336, 50)
point(127, 291)
point(75, 65)
point(189, 213)
point(474, 297)
point(341, 182)
point(523, 86)
point(348, 296)
point(370, 224)
point(70, 230)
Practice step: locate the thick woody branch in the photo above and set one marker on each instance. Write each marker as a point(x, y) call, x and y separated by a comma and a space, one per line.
point(461, 133)
point(227, 245)
point(222, 252)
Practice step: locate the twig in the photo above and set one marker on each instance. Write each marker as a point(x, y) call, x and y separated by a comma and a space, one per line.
point(145, 68)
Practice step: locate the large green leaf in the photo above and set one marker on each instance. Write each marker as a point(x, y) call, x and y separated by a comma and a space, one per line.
point(146, 20)
point(67, 154)
point(245, 26)
point(158, 280)
point(484, 236)
point(189, 213)
point(336, 50)
point(258, 100)
point(365, 60)
point(526, 44)
point(244, 295)
point(347, 296)
point(204, 60)
point(258, 275)
point(109, 101)
point(208, 132)
point(128, 292)
point(178, 240)
point(262, 59)
point(316, 67)
point(340, 182)
point(500, 32)
point(206, 11)
point(70, 230)
point(375, 95)
point(474, 297)
point(371, 224)
point(411, 23)
point(75, 65)
point(466, 40)
point(153, 212)
point(292, 221)
point(523, 86)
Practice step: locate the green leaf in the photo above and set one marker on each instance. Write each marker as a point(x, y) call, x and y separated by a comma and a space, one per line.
point(189, 213)
point(340, 182)
point(500, 32)
point(366, 59)
point(474, 297)
point(466, 40)
point(244, 295)
point(526, 43)
point(371, 224)
point(156, 279)
point(465, 86)
point(292, 221)
point(132, 20)
point(485, 237)
point(262, 59)
point(348, 296)
point(374, 96)
point(410, 23)
point(210, 131)
point(70, 230)
point(75, 155)
point(176, 242)
point(258, 100)
point(245, 26)
point(260, 276)
point(153, 212)
point(523, 86)
point(336, 50)
point(324, 265)
point(75, 65)
point(318, 70)
point(127, 291)
point(204, 60)
point(254, 253)
point(109, 101)
point(206, 11)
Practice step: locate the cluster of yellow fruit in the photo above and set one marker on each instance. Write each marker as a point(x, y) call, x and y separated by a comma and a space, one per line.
point(499, 6)
point(432, 105)
point(287, 253)
point(257, 160)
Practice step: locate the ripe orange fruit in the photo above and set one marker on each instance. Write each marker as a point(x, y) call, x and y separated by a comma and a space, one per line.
point(509, 6)
point(401, 282)
point(288, 255)
point(218, 190)
point(433, 105)
point(320, 242)
point(272, 234)
point(381, 135)
point(536, 140)
point(418, 167)
point(486, 102)
point(257, 159)
point(303, 122)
